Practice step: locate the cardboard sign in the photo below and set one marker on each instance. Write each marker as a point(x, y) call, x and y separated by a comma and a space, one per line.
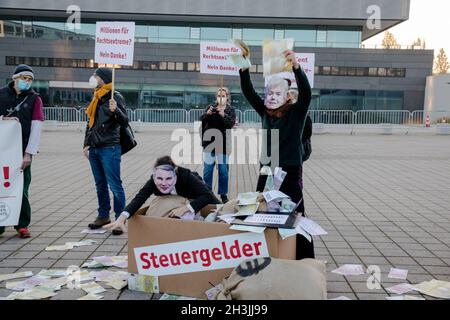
point(114, 43)
point(11, 177)
point(307, 62)
point(215, 58)
point(200, 255)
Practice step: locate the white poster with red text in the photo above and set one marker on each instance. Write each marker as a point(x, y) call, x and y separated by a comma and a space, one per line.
point(11, 177)
point(307, 62)
point(114, 43)
point(200, 255)
point(215, 58)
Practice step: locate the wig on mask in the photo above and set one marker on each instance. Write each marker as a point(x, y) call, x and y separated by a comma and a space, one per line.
point(165, 163)
point(276, 81)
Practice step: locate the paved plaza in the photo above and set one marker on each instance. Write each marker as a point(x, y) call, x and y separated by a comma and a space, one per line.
point(384, 200)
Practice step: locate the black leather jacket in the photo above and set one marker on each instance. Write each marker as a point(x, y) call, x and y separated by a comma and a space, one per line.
point(106, 129)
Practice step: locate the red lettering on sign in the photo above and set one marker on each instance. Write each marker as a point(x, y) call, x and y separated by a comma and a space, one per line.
point(247, 250)
point(145, 261)
point(186, 257)
point(163, 260)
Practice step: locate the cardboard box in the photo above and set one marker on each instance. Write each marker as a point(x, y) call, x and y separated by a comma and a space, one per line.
point(146, 231)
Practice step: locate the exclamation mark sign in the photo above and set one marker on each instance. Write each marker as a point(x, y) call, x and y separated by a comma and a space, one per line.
point(6, 175)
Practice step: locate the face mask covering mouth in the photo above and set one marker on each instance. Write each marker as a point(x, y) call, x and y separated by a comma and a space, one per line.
point(23, 85)
point(93, 82)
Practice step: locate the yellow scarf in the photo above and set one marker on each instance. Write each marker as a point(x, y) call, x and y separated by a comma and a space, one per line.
point(98, 94)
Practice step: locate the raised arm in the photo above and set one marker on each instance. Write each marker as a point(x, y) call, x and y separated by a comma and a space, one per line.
point(249, 92)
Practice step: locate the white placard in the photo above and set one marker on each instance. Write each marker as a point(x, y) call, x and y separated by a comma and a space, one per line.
point(11, 177)
point(200, 255)
point(114, 43)
point(307, 62)
point(215, 58)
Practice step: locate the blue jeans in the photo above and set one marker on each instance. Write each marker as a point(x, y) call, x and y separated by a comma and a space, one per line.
point(209, 160)
point(105, 165)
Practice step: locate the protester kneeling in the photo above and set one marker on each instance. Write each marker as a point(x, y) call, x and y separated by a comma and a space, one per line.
point(180, 193)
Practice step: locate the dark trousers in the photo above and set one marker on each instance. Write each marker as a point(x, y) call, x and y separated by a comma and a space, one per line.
point(293, 186)
point(25, 210)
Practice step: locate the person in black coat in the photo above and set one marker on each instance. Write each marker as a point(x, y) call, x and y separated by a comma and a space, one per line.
point(277, 112)
point(169, 179)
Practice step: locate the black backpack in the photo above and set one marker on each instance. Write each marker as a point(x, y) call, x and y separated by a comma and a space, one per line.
point(306, 139)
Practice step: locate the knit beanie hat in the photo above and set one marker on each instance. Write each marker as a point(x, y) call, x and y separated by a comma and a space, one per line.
point(23, 70)
point(105, 74)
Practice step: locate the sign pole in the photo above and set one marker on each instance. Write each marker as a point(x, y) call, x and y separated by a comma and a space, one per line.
point(112, 84)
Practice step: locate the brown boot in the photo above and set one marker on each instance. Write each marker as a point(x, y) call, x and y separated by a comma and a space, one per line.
point(98, 223)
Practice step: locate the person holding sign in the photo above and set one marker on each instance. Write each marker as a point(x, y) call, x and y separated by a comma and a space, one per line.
point(21, 103)
point(277, 113)
point(217, 120)
point(168, 179)
point(102, 145)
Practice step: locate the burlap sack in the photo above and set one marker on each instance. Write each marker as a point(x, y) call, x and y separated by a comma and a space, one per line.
point(276, 279)
point(160, 206)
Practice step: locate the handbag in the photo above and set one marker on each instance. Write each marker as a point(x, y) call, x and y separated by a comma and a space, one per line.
point(127, 140)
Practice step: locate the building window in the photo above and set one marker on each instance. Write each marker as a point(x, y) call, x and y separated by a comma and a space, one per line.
point(191, 66)
point(179, 66)
point(237, 33)
point(163, 65)
point(195, 33)
point(373, 72)
point(215, 33)
point(382, 72)
point(334, 71)
point(171, 66)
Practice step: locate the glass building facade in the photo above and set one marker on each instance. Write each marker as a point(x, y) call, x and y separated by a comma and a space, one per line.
point(194, 97)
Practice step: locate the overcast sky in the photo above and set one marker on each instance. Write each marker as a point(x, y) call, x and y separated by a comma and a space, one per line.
point(428, 19)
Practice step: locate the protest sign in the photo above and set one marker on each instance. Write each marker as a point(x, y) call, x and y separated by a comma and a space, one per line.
point(11, 177)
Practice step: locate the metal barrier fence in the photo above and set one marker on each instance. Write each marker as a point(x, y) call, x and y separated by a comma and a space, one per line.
point(335, 117)
point(382, 117)
point(61, 114)
point(330, 117)
point(161, 115)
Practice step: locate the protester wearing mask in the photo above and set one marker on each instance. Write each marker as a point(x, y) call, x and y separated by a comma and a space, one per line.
point(102, 145)
point(169, 179)
point(21, 103)
point(217, 121)
point(278, 113)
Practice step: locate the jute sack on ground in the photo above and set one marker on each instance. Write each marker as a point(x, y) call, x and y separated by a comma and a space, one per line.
point(276, 279)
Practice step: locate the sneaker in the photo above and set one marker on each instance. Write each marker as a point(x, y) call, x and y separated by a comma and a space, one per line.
point(24, 233)
point(224, 198)
point(98, 223)
point(117, 232)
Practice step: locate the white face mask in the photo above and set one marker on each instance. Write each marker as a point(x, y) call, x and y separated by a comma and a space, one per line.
point(93, 82)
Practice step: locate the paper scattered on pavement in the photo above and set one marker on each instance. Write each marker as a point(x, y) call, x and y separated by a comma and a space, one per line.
point(166, 296)
point(18, 275)
point(70, 245)
point(26, 284)
point(143, 283)
point(434, 288)
point(400, 288)
point(91, 296)
point(398, 274)
point(32, 294)
point(350, 270)
point(94, 231)
point(405, 297)
point(341, 298)
point(52, 273)
point(248, 228)
point(92, 288)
